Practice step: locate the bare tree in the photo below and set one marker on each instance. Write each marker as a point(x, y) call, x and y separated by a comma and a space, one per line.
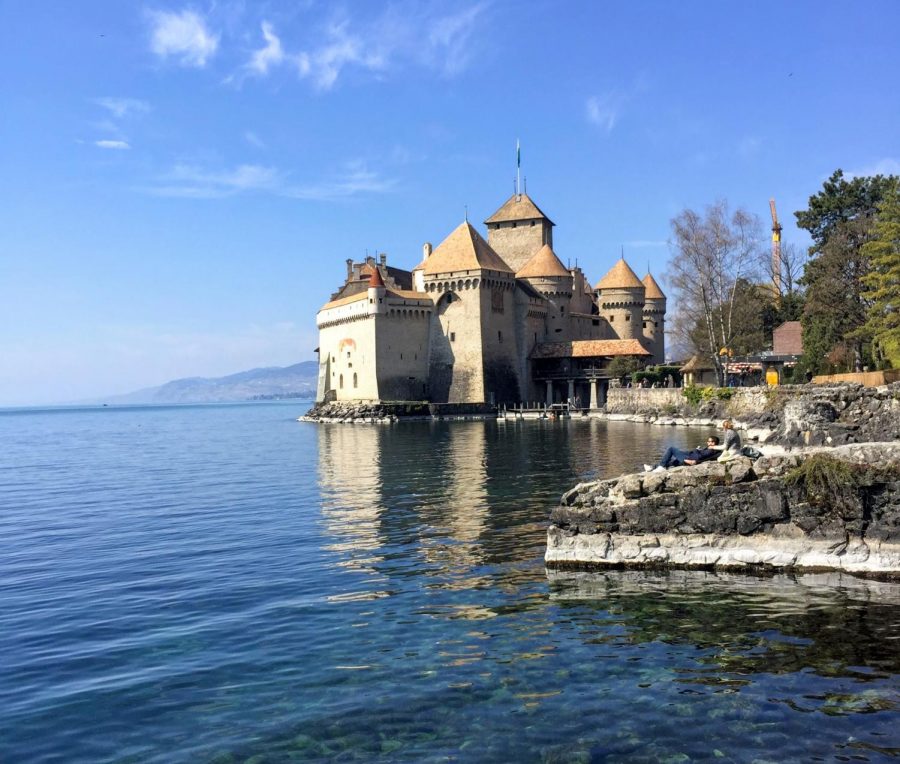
point(713, 254)
point(784, 284)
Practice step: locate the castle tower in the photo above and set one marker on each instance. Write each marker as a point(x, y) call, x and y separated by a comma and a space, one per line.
point(620, 296)
point(473, 337)
point(654, 319)
point(546, 273)
point(377, 291)
point(518, 230)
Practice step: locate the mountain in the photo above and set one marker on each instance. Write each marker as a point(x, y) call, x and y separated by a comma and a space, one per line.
point(297, 381)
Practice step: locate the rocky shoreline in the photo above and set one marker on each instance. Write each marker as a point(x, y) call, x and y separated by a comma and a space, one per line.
point(812, 509)
point(383, 412)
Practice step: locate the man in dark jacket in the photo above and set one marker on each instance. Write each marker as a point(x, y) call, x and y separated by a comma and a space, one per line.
point(676, 457)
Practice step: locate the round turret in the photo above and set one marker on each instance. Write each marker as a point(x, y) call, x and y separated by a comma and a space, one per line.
point(654, 319)
point(620, 298)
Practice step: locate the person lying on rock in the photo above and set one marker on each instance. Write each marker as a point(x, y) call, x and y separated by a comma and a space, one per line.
point(676, 457)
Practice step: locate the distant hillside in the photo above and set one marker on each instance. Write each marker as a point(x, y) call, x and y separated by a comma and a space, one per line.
point(297, 381)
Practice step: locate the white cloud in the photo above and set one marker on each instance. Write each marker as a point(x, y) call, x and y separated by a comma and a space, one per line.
point(120, 145)
point(353, 181)
point(644, 244)
point(183, 36)
point(195, 182)
point(403, 33)
point(342, 48)
point(884, 166)
point(450, 38)
point(123, 107)
point(604, 110)
point(270, 55)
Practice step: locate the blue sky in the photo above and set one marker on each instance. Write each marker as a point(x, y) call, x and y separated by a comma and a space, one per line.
point(181, 183)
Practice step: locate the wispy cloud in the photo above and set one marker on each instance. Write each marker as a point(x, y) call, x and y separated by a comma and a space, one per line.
point(107, 144)
point(450, 38)
point(183, 36)
point(270, 55)
point(644, 243)
point(192, 181)
point(342, 48)
point(198, 183)
point(123, 107)
point(884, 166)
point(405, 33)
point(254, 140)
point(604, 110)
point(353, 181)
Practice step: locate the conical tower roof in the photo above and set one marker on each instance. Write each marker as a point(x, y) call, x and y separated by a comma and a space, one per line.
point(620, 276)
point(375, 279)
point(543, 263)
point(652, 290)
point(518, 207)
point(464, 250)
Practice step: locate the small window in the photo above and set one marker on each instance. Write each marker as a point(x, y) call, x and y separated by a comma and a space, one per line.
point(595, 321)
point(499, 336)
point(348, 354)
point(656, 324)
point(644, 324)
point(371, 301)
point(401, 356)
point(532, 223)
point(341, 382)
point(611, 319)
point(354, 379)
point(627, 317)
point(452, 336)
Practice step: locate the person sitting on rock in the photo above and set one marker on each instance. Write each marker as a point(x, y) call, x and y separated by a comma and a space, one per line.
point(676, 457)
point(732, 442)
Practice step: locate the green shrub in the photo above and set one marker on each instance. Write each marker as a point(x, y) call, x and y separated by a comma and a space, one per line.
point(697, 395)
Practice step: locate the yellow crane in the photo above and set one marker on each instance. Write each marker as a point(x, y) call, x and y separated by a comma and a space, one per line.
point(776, 252)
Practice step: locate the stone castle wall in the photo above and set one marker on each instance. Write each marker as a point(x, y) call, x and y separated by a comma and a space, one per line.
point(516, 243)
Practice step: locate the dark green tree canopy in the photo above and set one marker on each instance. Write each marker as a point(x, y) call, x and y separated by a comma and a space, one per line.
point(841, 201)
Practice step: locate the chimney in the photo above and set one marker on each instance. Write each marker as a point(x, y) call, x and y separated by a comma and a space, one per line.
point(383, 258)
point(426, 250)
point(349, 268)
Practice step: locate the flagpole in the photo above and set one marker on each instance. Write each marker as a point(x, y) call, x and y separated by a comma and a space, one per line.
point(518, 168)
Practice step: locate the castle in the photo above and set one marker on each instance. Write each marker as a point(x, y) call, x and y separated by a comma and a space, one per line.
point(496, 321)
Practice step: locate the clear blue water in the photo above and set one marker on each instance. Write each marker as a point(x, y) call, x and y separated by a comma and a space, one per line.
point(223, 583)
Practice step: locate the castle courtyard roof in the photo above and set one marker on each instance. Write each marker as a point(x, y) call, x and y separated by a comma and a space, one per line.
point(464, 250)
point(620, 276)
point(589, 349)
point(652, 290)
point(518, 207)
point(543, 263)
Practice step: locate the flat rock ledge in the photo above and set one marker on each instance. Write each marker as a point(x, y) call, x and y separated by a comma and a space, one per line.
point(742, 515)
point(382, 412)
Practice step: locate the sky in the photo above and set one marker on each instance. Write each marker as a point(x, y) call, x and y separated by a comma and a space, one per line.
point(181, 184)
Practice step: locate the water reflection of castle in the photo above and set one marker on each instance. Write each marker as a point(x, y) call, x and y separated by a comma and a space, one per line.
point(467, 493)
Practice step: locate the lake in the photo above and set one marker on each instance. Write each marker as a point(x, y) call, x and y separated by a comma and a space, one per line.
point(224, 583)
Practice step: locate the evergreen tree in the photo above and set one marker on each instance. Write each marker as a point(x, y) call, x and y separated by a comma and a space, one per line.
point(839, 219)
point(881, 286)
